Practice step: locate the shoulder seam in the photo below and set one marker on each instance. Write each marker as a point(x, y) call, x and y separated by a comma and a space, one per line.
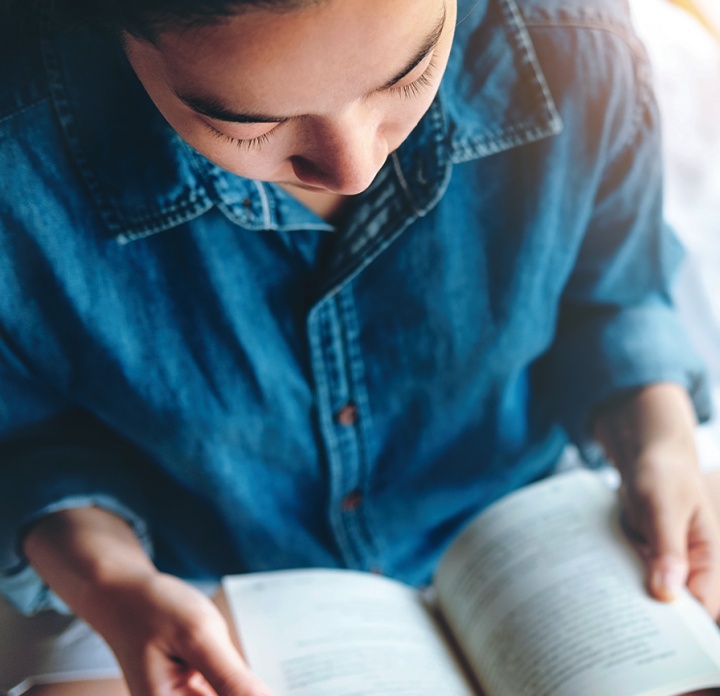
point(624, 33)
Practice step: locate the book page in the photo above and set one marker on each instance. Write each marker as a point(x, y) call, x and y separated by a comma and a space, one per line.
point(341, 633)
point(547, 598)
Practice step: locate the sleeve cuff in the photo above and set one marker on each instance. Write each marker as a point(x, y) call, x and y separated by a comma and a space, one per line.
point(23, 587)
point(633, 348)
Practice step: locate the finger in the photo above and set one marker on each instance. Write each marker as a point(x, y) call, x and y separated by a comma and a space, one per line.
point(666, 577)
point(667, 538)
point(704, 561)
point(660, 538)
point(223, 668)
point(630, 530)
point(197, 685)
point(157, 674)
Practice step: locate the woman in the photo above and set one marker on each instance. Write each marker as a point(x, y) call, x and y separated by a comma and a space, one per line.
point(274, 296)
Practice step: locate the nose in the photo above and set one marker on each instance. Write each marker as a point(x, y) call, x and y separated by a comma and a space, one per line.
point(344, 155)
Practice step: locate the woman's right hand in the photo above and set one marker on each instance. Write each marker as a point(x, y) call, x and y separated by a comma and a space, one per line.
point(169, 638)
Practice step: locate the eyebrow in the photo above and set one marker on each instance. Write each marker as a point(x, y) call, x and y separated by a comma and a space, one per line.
point(215, 109)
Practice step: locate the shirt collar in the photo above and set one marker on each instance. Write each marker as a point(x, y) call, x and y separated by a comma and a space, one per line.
point(142, 176)
point(494, 97)
point(497, 94)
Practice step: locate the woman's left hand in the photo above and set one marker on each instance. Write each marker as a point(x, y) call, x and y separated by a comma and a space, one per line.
point(649, 436)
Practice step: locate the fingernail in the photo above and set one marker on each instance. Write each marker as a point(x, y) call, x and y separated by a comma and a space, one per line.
point(667, 583)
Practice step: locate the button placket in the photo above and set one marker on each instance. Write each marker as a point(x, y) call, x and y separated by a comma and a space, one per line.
point(339, 377)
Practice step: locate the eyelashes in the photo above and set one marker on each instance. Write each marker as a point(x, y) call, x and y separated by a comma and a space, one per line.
point(413, 89)
point(244, 143)
point(416, 86)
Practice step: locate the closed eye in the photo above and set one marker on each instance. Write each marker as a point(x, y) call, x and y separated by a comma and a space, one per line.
point(242, 143)
point(414, 88)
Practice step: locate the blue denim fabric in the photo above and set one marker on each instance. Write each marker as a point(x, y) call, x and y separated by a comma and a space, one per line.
point(253, 388)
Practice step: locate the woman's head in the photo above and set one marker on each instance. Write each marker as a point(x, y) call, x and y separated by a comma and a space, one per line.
point(308, 93)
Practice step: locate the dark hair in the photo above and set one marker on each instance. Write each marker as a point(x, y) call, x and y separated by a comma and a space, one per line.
point(145, 19)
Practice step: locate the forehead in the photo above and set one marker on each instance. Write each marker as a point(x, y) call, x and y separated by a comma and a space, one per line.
point(325, 52)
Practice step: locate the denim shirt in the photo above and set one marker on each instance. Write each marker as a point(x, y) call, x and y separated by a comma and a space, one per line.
point(253, 388)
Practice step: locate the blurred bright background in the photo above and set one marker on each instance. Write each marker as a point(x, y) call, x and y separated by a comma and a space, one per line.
point(683, 40)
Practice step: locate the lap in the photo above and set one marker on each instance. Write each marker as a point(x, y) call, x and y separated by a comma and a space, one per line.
point(51, 647)
point(56, 655)
point(49, 644)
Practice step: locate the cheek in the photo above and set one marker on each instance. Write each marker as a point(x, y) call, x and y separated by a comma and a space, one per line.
point(401, 120)
point(266, 164)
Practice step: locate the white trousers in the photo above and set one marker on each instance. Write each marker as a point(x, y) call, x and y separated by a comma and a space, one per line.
point(49, 647)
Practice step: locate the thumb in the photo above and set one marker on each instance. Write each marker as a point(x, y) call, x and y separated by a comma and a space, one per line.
point(667, 559)
point(225, 670)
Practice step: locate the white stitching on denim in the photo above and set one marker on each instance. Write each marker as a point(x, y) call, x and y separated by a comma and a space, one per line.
point(516, 134)
point(265, 204)
point(23, 109)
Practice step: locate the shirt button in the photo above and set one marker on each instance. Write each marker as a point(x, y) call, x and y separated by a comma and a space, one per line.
point(348, 414)
point(352, 501)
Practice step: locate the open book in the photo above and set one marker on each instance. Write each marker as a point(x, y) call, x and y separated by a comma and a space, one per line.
point(541, 595)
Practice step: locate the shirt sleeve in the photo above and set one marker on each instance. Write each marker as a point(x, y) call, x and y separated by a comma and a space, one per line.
point(53, 457)
point(617, 327)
